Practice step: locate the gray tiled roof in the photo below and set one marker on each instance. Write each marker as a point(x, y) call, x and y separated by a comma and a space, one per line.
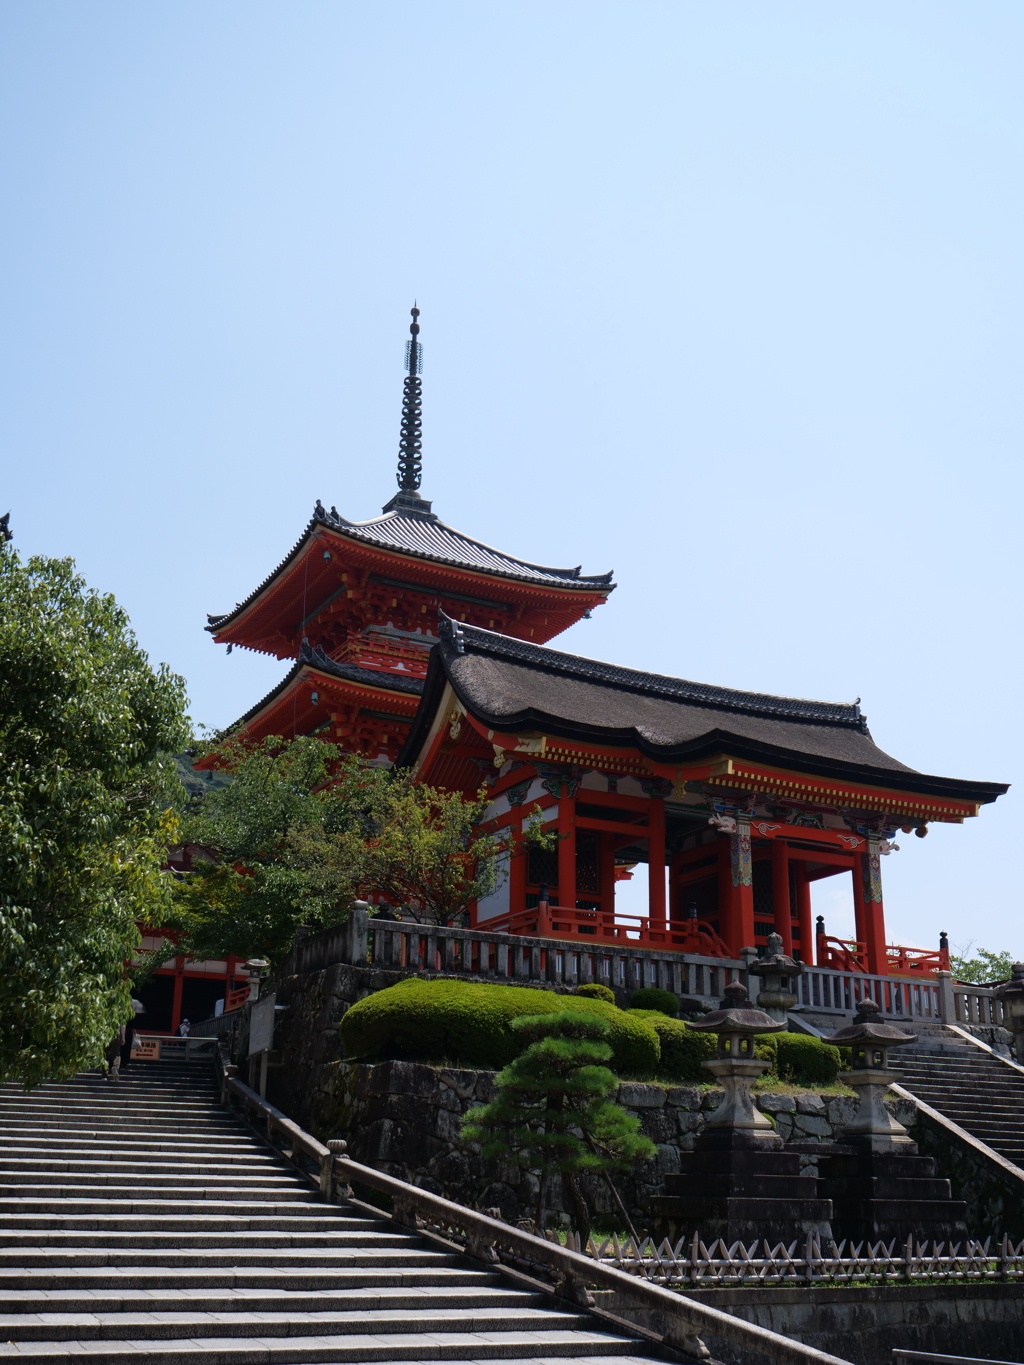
point(425, 536)
point(510, 685)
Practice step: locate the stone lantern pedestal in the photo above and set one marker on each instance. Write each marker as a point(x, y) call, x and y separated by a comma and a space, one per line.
point(739, 1183)
point(1011, 993)
point(880, 1187)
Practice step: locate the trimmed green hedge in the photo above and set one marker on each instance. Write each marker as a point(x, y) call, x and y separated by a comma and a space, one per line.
point(469, 1023)
point(593, 990)
point(802, 1059)
point(794, 1057)
point(682, 1049)
point(654, 998)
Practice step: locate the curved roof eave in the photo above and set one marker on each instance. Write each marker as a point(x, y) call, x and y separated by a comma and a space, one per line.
point(318, 662)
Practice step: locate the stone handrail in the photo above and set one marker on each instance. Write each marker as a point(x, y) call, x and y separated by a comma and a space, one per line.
point(832, 990)
point(402, 945)
point(487, 1239)
point(975, 1004)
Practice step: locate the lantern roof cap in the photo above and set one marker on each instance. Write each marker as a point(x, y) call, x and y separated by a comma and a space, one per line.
point(737, 1014)
point(867, 1028)
point(1015, 985)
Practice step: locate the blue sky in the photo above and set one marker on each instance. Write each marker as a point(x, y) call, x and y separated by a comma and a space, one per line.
point(726, 297)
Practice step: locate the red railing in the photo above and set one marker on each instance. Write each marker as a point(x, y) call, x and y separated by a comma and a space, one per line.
point(603, 926)
point(234, 1000)
point(842, 954)
point(850, 955)
point(916, 959)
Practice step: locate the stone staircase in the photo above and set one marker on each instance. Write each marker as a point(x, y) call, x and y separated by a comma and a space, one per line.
point(139, 1221)
point(969, 1086)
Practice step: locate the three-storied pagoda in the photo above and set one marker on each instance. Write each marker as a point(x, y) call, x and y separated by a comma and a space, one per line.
point(355, 604)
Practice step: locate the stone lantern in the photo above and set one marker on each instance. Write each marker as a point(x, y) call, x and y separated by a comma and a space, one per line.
point(880, 1185)
point(777, 971)
point(870, 1040)
point(737, 1024)
point(1011, 993)
point(739, 1182)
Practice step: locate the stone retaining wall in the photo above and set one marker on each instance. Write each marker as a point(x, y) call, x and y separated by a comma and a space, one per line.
point(404, 1118)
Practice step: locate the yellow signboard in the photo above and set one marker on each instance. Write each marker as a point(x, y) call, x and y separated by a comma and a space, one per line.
point(148, 1051)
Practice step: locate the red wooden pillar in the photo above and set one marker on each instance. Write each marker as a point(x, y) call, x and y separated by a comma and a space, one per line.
point(867, 899)
point(179, 983)
point(736, 890)
point(566, 851)
point(780, 894)
point(656, 865)
point(606, 854)
point(803, 906)
point(517, 870)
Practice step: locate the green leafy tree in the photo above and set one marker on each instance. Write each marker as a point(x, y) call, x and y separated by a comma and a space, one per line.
point(265, 836)
point(302, 829)
point(430, 856)
point(983, 967)
point(85, 813)
point(552, 1113)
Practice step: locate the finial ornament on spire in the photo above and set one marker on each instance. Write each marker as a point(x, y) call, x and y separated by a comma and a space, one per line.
point(410, 461)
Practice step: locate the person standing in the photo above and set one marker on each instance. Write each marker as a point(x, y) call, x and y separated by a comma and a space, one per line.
point(128, 1032)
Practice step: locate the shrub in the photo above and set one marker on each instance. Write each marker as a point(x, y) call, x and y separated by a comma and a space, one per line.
point(807, 1061)
point(682, 1049)
point(654, 998)
point(593, 990)
point(470, 1023)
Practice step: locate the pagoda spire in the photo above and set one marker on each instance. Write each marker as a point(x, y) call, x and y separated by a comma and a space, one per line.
point(409, 457)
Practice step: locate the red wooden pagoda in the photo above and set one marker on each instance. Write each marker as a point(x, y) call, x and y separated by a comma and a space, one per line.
point(746, 798)
point(355, 604)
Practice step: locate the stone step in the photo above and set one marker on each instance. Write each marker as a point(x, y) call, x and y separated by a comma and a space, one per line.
point(363, 1299)
point(236, 1179)
point(414, 1348)
point(252, 1165)
point(301, 1220)
point(134, 1279)
point(114, 1132)
point(152, 1239)
point(422, 1319)
point(121, 1192)
point(149, 1208)
point(55, 1258)
point(224, 1150)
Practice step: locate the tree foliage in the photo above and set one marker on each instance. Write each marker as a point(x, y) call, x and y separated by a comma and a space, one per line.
point(552, 1113)
point(302, 829)
point(85, 815)
point(984, 967)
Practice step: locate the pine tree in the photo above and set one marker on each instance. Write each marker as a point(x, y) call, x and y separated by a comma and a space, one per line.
point(552, 1113)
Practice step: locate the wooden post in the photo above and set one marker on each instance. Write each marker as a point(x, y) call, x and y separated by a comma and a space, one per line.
point(606, 853)
point(803, 905)
point(179, 985)
point(780, 894)
point(867, 880)
point(517, 870)
point(656, 865)
point(566, 851)
point(737, 884)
